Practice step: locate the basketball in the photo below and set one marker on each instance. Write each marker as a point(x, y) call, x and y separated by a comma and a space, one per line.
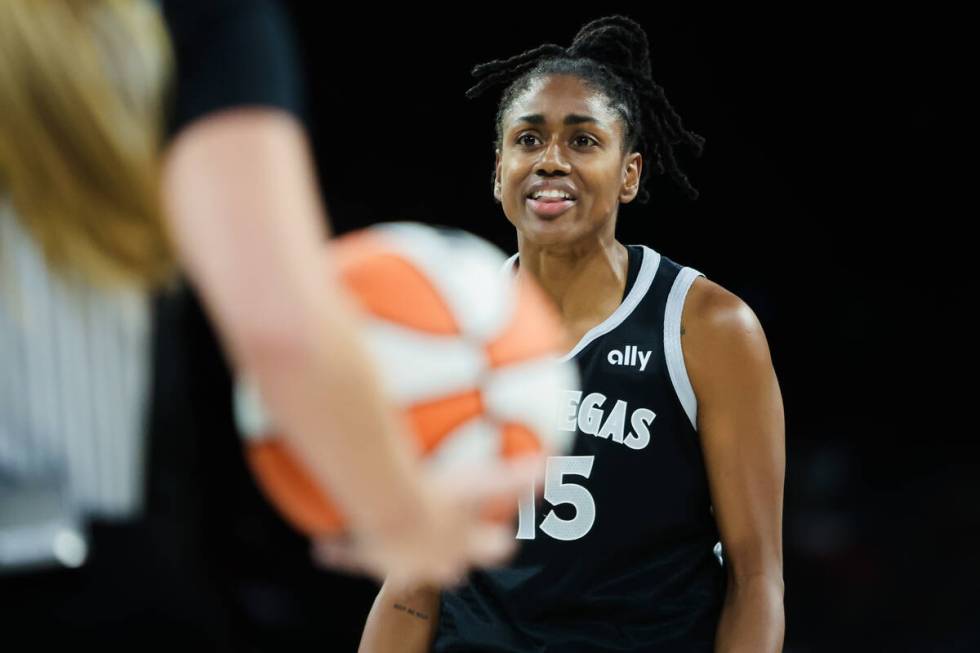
point(467, 354)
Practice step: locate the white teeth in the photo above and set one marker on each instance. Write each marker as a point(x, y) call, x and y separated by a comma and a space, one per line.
point(551, 194)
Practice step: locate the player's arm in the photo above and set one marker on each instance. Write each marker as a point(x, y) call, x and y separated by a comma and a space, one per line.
point(741, 426)
point(401, 621)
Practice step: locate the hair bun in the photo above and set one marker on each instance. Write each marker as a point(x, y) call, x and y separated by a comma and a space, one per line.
point(616, 41)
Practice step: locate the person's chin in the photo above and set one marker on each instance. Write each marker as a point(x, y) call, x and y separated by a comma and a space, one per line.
point(549, 231)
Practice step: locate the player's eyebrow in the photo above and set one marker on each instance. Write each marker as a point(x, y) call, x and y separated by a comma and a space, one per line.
point(570, 119)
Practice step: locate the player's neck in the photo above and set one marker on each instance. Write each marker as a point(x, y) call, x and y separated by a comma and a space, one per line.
point(585, 280)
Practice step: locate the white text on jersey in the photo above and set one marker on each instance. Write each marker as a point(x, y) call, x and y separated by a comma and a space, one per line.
point(629, 357)
point(587, 416)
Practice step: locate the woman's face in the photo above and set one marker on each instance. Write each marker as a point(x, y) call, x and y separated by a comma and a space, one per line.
point(561, 171)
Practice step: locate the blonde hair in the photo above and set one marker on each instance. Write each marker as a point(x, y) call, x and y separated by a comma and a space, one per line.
point(82, 87)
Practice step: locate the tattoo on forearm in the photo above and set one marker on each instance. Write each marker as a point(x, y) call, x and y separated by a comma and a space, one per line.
point(412, 611)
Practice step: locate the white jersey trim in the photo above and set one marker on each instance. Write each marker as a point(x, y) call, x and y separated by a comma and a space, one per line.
point(673, 351)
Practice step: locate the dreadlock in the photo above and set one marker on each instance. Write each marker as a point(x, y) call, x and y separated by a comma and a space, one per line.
point(612, 55)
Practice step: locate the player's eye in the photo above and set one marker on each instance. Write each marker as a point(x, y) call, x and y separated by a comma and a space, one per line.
point(527, 140)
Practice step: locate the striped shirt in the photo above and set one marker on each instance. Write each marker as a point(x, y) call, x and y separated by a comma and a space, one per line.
point(74, 381)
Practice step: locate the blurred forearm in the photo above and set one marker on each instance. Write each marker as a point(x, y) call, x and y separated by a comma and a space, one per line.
point(249, 229)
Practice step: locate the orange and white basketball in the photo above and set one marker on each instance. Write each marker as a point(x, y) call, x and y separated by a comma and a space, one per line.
point(467, 354)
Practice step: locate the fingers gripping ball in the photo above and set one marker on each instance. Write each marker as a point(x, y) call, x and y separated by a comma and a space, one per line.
point(468, 356)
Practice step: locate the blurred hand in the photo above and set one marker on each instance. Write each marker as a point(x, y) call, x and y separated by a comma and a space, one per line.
point(464, 519)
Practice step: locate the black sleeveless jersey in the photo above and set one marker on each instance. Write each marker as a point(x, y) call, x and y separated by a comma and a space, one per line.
point(622, 553)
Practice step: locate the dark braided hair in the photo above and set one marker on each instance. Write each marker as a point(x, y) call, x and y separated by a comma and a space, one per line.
point(612, 55)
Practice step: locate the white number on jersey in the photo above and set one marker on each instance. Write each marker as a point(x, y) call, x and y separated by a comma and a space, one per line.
point(557, 492)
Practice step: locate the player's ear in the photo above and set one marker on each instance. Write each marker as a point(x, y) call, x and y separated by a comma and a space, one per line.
point(632, 171)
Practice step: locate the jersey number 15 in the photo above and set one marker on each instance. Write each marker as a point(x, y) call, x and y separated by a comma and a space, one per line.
point(557, 492)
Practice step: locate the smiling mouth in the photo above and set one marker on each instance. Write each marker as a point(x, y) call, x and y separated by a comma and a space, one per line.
point(551, 195)
point(549, 207)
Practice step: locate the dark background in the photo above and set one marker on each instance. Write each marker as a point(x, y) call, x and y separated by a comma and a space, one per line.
point(822, 205)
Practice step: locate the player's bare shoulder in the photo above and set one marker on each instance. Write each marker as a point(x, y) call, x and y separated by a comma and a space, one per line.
point(719, 331)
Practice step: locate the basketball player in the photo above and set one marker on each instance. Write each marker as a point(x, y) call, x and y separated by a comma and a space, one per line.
point(679, 421)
